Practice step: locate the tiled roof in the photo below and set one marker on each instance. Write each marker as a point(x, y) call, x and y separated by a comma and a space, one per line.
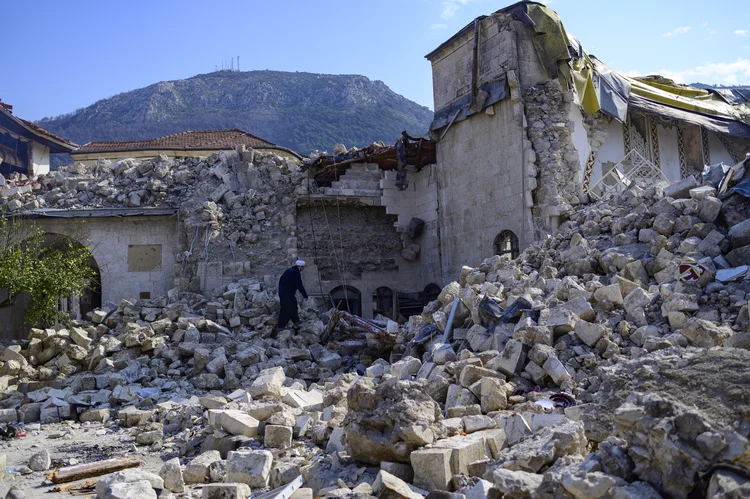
point(55, 142)
point(42, 131)
point(183, 141)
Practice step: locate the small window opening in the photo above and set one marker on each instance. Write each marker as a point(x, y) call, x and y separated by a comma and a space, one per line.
point(506, 245)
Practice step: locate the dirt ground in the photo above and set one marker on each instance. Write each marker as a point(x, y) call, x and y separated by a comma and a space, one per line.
point(68, 443)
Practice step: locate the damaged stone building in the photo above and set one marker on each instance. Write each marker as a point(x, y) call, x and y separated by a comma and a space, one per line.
point(578, 312)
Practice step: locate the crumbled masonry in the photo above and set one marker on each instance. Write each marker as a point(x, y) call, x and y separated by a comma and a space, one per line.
point(589, 367)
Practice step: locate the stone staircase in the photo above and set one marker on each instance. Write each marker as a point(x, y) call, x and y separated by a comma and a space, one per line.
point(362, 179)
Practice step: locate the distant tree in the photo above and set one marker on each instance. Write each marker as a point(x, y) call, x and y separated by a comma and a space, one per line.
point(46, 272)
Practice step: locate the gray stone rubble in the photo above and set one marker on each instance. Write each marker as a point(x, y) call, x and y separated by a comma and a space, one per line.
point(615, 377)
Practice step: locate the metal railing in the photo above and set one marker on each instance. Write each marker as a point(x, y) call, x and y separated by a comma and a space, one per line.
point(630, 169)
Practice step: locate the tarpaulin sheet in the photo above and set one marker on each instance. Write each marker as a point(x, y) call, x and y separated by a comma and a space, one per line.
point(497, 91)
point(601, 89)
point(613, 91)
point(688, 98)
point(598, 88)
point(715, 124)
point(551, 42)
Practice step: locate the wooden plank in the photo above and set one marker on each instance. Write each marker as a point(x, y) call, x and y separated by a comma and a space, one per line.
point(89, 470)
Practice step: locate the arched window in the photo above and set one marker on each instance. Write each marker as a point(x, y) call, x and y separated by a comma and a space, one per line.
point(347, 298)
point(382, 302)
point(506, 245)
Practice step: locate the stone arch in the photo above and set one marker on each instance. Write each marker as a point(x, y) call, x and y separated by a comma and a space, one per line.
point(347, 298)
point(506, 245)
point(382, 302)
point(91, 299)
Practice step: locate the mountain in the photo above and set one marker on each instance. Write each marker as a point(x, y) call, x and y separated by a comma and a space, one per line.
point(301, 111)
point(708, 86)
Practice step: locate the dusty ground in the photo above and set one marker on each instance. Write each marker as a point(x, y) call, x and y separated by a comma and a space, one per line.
point(66, 443)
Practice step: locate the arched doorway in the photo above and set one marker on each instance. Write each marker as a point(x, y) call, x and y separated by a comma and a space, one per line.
point(506, 245)
point(347, 298)
point(431, 293)
point(91, 298)
point(382, 302)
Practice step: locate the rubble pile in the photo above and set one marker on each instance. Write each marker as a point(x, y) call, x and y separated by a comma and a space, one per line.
point(240, 202)
point(608, 361)
point(583, 363)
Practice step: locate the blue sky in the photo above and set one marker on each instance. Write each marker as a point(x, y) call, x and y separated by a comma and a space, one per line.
point(59, 56)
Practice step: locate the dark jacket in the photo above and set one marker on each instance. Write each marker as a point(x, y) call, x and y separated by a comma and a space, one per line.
point(291, 282)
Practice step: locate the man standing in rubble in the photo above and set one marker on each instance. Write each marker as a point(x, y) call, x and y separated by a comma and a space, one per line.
point(289, 284)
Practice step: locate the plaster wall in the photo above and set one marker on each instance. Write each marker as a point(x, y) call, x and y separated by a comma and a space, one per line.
point(613, 150)
point(480, 174)
point(108, 240)
point(39, 158)
point(669, 155)
point(717, 151)
point(580, 139)
point(418, 200)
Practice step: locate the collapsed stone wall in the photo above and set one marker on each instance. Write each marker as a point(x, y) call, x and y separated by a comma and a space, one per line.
point(245, 209)
point(547, 109)
point(237, 209)
point(359, 238)
point(597, 130)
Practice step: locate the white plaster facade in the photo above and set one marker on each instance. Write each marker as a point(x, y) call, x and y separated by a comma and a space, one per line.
point(108, 240)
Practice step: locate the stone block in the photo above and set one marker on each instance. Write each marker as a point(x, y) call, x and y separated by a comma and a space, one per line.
point(239, 423)
point(268, 383)
point(197, 470)
point(171, 473)
point(480, 490)
point(277, 436)
point(41, 461)
point(249, 467)
point(432, 468)
point(739, 234)
point(336, 441)
point(510, 360)
point(611, 293)
point(80, 337)
point(464, 451)
point(580, 307)
point(387, 486)
point(405, 367)
point(474, 423)
point(301, 399)
point(31, 412)
point(401, 470)
point(494, 438)
point(739, 256)
point(128, 484)
point(459, 396)
point(141, 489)
point(493, 395)
point(709, 209)
point(302, 493)
point(589, 332)
point(471, 374)
point(701, 192)
point(8, 416)
point(131, 416)
point(681, 189)
point(225, 491)
point(515, 426)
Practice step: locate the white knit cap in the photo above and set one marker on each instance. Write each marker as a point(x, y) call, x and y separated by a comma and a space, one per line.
point(299, 263)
